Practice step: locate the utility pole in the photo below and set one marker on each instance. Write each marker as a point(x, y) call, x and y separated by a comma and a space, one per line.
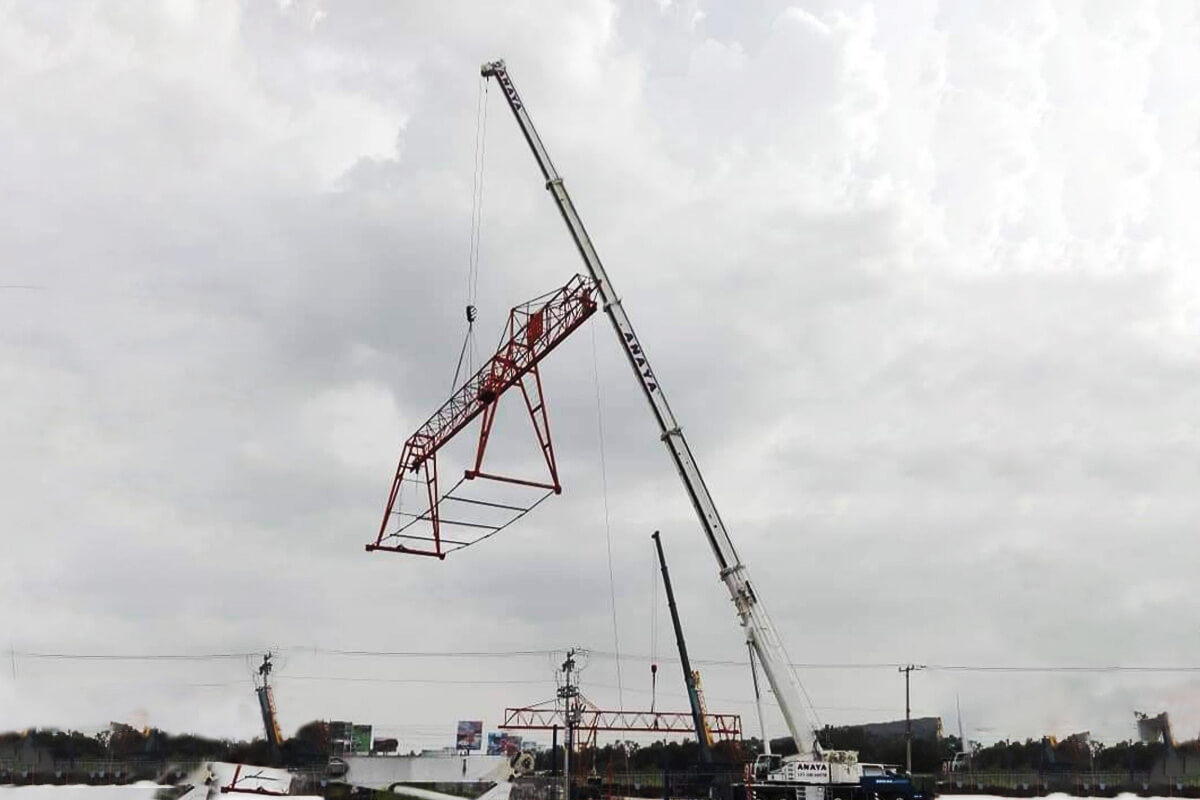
point(568, 692)
point(266, 704)
point(908, 670)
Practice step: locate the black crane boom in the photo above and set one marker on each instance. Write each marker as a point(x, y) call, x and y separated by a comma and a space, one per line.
point(688, 676)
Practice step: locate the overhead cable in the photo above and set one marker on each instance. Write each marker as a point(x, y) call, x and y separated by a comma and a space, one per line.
point(514, 654)
point(431, 653)
point(450, 681)
point(137, 656)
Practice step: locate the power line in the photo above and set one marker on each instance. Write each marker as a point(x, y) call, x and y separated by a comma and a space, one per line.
point(517, 654)
point(429, 653)
point(136, 657)
point(891, 665)
point(450, 681)
point(78, 656)
point(1061, 669)
point(725, 662)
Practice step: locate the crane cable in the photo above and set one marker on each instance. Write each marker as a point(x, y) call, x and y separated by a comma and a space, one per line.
point(612, 585)
point(469, 350)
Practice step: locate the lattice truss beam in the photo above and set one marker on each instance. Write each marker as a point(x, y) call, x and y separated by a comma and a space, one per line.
point(533, 330)
point(591, 719)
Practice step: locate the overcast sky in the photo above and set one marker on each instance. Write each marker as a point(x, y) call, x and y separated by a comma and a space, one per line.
point(920, 280)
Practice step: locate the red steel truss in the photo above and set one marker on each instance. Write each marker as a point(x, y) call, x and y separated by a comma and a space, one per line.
point(534, 329)
point(535, 718)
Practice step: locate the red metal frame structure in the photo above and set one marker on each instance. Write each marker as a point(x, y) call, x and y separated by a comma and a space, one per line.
point(534, 329)
point(547, 717)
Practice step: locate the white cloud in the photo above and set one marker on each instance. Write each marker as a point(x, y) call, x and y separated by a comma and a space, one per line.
point(920, 282)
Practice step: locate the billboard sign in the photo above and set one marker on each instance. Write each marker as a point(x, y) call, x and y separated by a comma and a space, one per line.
point(470, 735)
point(360, 739)
point(503, 744)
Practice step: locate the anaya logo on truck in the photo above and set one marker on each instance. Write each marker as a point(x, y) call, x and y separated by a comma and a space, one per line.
point(811, 767)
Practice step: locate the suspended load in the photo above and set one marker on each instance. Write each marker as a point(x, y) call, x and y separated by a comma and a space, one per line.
point(534, 328)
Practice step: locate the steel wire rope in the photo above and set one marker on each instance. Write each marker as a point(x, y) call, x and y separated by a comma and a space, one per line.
point(415, 518)
point(462, 352)
point(458, 545)
point(482, 149)
point(469, 345)
point(612, 584)
point(791, 666)
point(490, 534)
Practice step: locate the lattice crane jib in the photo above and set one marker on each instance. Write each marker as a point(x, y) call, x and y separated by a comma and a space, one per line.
point(533, 330)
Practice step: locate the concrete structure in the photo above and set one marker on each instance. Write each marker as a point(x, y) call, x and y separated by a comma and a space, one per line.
point(1177, 763)
point(385, 772)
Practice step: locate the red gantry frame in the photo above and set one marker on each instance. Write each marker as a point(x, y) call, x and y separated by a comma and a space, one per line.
point(547, 716)
point(534, 329)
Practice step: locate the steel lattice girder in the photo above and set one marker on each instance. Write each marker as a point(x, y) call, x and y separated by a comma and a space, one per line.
point(534, 329)
point(723, 726)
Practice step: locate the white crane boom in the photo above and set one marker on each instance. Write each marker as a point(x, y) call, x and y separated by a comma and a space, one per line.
point(760, 633)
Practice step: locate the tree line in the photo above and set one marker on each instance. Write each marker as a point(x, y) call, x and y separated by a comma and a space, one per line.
point(119, 742)
point(310, 747)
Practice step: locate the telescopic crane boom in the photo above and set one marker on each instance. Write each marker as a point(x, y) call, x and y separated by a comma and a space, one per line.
point(760, 633)
point(689, 677)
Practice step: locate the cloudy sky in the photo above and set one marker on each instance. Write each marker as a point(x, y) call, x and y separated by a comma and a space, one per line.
point(920, 280)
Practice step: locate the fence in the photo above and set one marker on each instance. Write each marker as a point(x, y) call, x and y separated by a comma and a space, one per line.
point(1079, 784)
point(716, 784)
point(93, 771)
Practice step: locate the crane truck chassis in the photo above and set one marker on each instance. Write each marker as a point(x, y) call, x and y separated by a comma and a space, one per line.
point(773, 777)
point(813, 774)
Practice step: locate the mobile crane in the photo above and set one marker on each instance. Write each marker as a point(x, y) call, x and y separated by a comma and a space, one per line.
point(691, 678)
point(814, 773)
